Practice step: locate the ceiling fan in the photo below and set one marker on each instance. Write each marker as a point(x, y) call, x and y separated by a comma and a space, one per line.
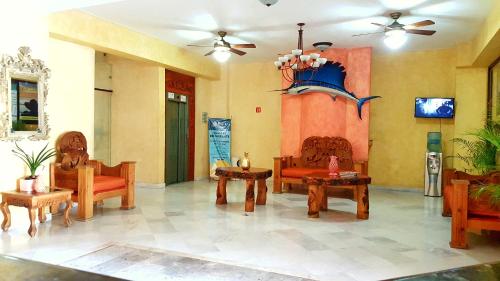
point(395, 32)
point(222, 49)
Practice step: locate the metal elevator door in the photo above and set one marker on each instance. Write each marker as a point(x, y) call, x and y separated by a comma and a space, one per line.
point(176, 138)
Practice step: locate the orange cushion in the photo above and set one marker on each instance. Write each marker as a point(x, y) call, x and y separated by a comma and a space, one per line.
point(106, 183)
point(299, 172)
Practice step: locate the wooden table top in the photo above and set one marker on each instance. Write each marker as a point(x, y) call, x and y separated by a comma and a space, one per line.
point(239, 173)
point(324, 178)
point(48, 193)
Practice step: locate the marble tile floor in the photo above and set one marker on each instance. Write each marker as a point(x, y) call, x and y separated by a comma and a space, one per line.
point(405, 234)
point(132, 263)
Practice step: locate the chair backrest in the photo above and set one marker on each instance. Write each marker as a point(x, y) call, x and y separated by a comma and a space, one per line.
point(71, 150)
point(316, 152)
point(490, 178)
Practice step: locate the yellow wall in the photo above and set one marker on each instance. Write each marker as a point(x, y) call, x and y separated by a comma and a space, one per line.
point(138, 117)
point(399, 139)
point(471, 98)
point(85, 29)
point(64, 113)
point(211, 97)
point(486, 45)
point(251, 85)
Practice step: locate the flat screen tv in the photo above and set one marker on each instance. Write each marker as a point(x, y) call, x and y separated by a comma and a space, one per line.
point(434, 107)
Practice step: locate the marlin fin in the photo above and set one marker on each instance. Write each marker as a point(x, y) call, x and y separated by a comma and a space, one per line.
point(300, 91)
point(362, 101)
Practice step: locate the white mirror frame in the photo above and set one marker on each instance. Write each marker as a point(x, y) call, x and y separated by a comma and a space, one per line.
point(25, 68)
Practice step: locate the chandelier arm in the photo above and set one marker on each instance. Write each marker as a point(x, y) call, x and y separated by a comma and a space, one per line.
point(285, 75)
point(288, 78)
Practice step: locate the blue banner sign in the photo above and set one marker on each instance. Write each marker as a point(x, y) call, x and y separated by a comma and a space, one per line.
point(219, 143)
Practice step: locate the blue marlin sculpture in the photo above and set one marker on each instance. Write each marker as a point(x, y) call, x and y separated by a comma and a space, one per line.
point(328, 79)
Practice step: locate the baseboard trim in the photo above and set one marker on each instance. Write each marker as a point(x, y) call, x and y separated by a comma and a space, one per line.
point(397, 189)
point(150, 185)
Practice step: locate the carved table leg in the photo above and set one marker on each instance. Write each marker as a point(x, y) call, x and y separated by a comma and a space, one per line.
point(261, 192)
point(221, 191)
point(6, 216)
point(250, 196)
point(324, 198)
point(67, 219)
point(312, 201)
point(363, 202)
point(32, 214)
point(54, 209)
point(41, 215)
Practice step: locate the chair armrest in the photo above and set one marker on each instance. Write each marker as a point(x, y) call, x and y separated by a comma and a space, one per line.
point(127, 171)
point(460, 197)
point(361, 167)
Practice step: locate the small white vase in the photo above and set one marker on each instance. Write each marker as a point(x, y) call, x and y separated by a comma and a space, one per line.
point(38, 184)
point(26, 185)
point(31, 185)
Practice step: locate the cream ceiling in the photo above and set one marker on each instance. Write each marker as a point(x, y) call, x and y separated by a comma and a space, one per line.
point(273, 29)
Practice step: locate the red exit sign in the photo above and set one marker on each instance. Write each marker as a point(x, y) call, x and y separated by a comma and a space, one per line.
point(258, 109)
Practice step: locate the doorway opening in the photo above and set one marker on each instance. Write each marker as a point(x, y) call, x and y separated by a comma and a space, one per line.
point(179, 127)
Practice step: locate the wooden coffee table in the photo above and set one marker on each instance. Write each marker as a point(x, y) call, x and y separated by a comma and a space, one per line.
point(33, 201)
point(318, 183)
point(254, 174)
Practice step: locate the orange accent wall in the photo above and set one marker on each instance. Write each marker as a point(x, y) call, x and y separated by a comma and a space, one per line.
point(316, 114)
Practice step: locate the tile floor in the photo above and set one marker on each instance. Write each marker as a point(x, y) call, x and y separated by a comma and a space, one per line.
point(405, 234)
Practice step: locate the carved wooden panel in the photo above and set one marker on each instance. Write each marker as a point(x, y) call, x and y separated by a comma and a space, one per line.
point(72, 150)
point(316, 152)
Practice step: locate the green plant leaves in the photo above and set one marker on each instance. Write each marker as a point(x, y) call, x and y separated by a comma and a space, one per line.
point(481, 151)
point(34, 161)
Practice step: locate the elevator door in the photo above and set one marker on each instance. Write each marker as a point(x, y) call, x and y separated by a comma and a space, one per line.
point(176, 138)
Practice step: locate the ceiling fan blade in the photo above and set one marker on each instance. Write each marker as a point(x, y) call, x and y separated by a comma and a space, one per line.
point(209, 53)
point(236, 51)
point(420, 31)
point(243, 46)
point(203, 46)
point(419, 24)
point(362, 34)
point(378, 24)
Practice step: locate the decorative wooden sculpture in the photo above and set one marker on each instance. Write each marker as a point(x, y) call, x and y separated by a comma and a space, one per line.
point(315, 157)
point(72, 148)
point(91, 180)
point(316, 152)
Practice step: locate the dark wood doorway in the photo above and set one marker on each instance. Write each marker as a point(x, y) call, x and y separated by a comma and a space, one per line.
point(181, 85)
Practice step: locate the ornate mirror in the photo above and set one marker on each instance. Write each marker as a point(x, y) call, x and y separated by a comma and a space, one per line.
point(23, 97)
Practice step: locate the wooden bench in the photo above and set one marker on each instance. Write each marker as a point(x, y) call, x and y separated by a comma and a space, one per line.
point(314, 158)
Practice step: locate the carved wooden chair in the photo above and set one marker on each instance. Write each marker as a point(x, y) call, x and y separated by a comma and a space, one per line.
point(315, 157)
point(91, 180)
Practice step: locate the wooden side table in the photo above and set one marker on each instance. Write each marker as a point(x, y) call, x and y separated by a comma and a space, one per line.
point(33, 201)
point(318, 183)
point(254, 174)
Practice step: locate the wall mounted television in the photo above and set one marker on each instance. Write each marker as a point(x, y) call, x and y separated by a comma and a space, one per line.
point(434, 107)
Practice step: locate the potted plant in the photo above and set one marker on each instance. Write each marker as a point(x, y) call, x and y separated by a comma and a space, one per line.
point(33, 162)
point(482, 154)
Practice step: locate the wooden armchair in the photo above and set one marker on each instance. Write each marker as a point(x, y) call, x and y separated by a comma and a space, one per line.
point(91, 180)
point(315, 157)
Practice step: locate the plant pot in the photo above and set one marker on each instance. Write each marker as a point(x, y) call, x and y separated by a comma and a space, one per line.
point(31, 185)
